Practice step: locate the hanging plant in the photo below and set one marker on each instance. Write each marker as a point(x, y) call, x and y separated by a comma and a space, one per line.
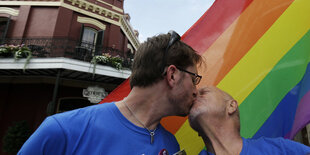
point(107, 59)
point(8, 50)
point(23, 52)
point(19, 51)
point(116, 62)
point(5, 52)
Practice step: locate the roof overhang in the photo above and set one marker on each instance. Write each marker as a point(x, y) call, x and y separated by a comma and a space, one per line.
point(63, 63)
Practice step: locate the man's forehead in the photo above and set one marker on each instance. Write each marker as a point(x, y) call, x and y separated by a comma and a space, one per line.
point(192, 67)
point(223, 93)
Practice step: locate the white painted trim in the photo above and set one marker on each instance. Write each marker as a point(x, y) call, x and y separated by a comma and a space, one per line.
point(81, 3)
point(113, 7)
point(127, 29)
point(90, 14)
point(63, 63)
point(9, 11)
point(130, 47)
point(33, 3)
point(91, 21)
point(94, 7)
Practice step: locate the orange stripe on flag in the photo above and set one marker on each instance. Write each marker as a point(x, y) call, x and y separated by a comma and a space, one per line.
point(231, 46)
point(239, 38)
point(205, 27)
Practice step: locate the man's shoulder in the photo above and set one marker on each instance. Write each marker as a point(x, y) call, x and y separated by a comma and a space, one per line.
point(64, 130)
point(262, 141)
point(83, 115)
point(276, 144)
point(268, 140)
point(81, 112)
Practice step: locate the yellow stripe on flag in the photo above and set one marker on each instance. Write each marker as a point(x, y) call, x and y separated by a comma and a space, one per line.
point(189, 139)
point(266, 53)
point(257, 63)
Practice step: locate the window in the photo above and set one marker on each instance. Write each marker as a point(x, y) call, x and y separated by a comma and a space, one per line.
point(4, 25)
point(91, 43)
point(89, 38)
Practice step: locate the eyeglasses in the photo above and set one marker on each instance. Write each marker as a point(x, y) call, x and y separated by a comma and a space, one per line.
point(174, 37)
point(196, 78)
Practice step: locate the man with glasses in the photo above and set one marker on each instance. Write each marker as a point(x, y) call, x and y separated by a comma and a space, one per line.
point(163, 81)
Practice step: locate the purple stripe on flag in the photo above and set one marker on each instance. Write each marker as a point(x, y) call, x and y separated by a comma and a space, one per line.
point(302, 117)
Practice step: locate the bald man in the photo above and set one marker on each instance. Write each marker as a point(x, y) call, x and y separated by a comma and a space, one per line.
point(215, 116)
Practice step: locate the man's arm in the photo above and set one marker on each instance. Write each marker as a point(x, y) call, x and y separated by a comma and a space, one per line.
point(49, 138)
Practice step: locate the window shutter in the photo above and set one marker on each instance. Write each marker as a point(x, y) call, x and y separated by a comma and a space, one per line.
point(5, 30)
point(81, 34)
point(99, 42)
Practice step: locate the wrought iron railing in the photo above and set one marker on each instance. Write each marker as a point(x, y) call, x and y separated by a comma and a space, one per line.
point(64, 47)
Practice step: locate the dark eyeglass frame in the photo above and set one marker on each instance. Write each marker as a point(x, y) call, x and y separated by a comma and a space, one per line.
point(174, 37)
point(195, 80)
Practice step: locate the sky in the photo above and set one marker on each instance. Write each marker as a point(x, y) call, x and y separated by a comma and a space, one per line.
point(152, 17)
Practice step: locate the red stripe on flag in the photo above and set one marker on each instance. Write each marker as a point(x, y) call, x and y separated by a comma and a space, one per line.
point(242, 37)
point(118, 93)
point(213, 23)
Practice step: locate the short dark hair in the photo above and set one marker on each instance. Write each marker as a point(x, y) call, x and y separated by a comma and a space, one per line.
point(148, 60)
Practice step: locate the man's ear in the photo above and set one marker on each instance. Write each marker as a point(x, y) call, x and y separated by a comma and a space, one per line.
point(171, 75)
point(232, 106)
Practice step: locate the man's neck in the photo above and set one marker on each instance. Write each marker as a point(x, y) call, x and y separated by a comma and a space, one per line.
point(144, 105)
point(222, 138)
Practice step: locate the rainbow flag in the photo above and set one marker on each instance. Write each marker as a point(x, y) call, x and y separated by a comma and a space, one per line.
point(258, 51)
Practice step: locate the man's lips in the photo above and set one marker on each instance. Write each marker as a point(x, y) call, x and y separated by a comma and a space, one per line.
point(193, 102)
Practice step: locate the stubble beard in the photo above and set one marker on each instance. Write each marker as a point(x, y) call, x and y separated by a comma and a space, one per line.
point(178, 105)
point(179, 101)
point(194, 113)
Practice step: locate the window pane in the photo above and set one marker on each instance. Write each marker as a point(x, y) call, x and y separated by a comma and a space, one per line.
point(89, 35)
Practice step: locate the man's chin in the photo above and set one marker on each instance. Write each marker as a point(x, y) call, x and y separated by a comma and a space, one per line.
point(191, 116)
point(185, 112)
point(193, 113)
point(192, 122)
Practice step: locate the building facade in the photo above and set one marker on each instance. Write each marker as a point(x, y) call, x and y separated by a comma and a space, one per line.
point(48, 56)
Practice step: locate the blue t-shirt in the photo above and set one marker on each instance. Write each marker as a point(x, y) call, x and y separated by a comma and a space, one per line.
point(270, 146)
point(98, 129)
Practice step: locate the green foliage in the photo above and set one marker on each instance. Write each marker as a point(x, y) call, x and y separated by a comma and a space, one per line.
point(3, 51)
point(22, 52)
point(107, 59)
point(116, 59)
point(100, 59)
point(19, 51)
point(7, 50)
point(15, 137)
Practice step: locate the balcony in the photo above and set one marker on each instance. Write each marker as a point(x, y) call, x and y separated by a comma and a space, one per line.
point(68, 48)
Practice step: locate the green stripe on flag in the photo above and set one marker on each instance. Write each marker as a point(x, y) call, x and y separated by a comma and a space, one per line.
point(259, 105)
